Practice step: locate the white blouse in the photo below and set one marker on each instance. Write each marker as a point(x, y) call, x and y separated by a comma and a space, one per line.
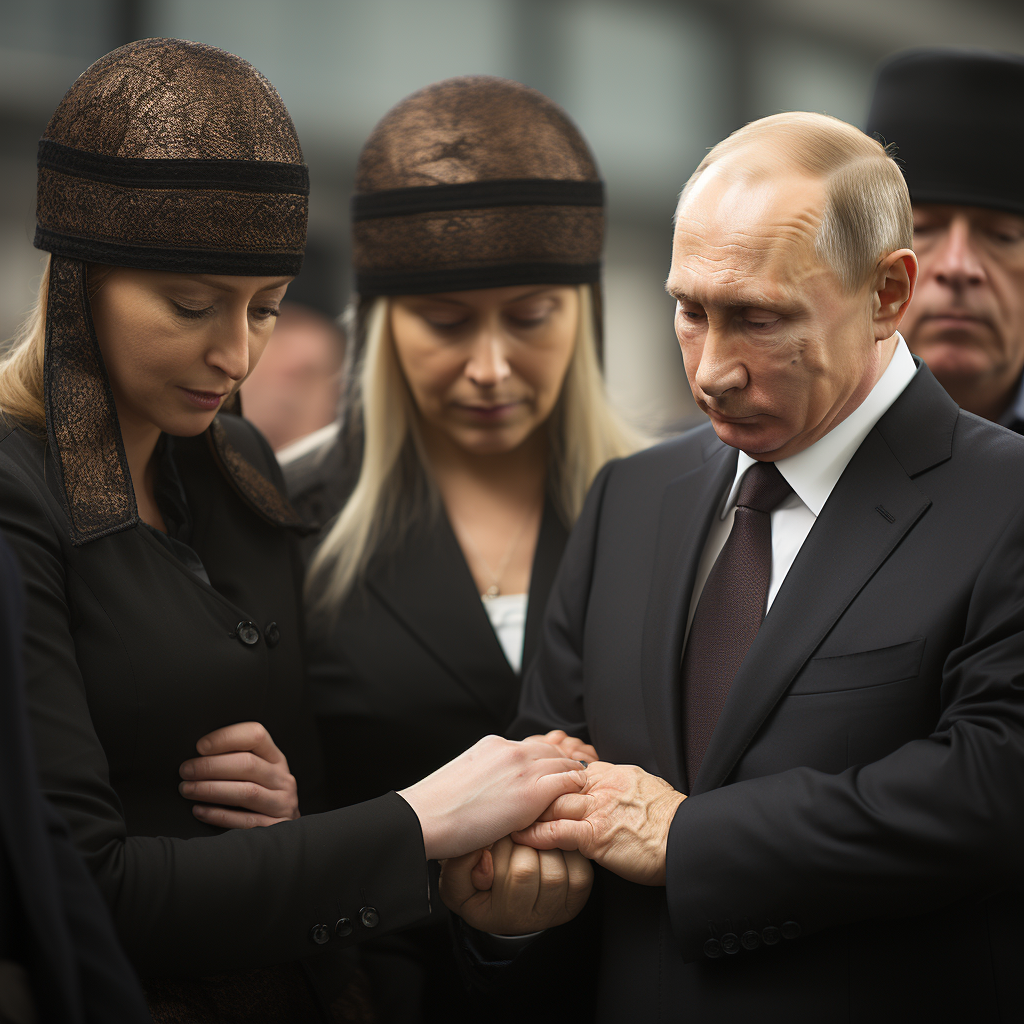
point(507, 613)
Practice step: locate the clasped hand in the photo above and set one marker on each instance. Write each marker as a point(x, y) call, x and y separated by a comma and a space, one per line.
point(241, 780)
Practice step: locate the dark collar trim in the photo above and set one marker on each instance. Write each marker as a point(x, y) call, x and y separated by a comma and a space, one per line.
point(475, 195)
point(233, 175)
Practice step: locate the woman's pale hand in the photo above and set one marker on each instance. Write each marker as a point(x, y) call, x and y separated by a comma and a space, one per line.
point(241, 780)
point(480, 796)
point(568, 745)
point(513, 890)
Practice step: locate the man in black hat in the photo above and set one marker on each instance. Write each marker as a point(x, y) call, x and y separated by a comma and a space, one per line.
point(954, 118)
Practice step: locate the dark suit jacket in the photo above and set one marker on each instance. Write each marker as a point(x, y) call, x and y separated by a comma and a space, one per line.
point(130, 658)
point(859, 816)
point(52, 918)
point(412, 666)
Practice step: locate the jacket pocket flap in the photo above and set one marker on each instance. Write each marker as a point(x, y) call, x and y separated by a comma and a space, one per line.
point(860, 670)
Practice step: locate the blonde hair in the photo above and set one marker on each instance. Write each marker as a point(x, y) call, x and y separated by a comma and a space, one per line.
point(21, 368)
point(394, 488)
point(867, 205)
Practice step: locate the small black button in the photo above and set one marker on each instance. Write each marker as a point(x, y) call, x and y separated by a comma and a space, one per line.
point(770, 935)
point(343, 928)
point(713, 949)
point(247, 633)
point(730, 943)
point(791, 930)
point(272, 634)
point(369, 917)
point(320, 934)
point(750, 939)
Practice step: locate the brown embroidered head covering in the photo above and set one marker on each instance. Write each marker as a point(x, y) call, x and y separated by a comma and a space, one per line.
point(475, 182)
point(164, 155)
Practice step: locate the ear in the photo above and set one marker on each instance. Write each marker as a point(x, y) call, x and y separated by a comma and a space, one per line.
point(891, 291)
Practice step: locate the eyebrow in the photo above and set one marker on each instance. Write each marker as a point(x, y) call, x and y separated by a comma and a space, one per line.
point(742, 302)
point(208, 280)
point(458, 302)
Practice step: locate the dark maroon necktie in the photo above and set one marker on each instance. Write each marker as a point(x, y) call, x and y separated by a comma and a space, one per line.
point(730, 609)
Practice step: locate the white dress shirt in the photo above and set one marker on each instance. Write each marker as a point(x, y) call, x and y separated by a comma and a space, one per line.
point(507, 613)
point(812, 474)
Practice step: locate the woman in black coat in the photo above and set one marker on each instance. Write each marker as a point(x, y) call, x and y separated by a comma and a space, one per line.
point(475, 421)
point(158, 555)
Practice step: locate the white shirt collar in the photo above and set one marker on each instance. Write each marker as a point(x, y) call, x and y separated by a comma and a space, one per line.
point(815, 471)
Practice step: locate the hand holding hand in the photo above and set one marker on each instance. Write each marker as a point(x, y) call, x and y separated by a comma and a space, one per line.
point(243, 771)
point(568, 745)
point(488, 791)
point(515, 890)
point(621, 819)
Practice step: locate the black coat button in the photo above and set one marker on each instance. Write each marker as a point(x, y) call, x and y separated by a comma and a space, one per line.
point(770, 935)
point(750, 939)
point(272, 634)
point(343, 928)
point(320, 934)
point(791, 930)
point(369, 917)
point(247, 633)
point(713, 949)
point(730, 943)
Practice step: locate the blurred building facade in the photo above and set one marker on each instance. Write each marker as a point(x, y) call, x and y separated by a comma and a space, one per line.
point(652, 84)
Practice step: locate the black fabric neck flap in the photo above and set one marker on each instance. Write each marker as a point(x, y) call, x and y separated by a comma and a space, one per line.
point(457, 279)
point(235, 175)
point(81, 419)
point(476, 195)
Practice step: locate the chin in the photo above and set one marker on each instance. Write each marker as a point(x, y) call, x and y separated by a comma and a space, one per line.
point(752, 440)
point(186, 426)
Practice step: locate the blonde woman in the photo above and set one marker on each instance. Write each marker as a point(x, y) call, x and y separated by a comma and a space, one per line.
point(476, 422)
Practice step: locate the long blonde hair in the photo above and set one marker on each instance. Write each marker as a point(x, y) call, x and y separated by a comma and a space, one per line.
point(394, 489)
point(21, 367)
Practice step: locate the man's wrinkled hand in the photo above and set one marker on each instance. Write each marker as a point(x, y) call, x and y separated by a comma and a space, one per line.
point(514, 890)
point(620, 819)
point(568, 745)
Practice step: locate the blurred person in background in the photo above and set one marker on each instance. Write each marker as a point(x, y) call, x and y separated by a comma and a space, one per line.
point(162, 580)
point(954, 118)
point(292, 395)
point(475, 421)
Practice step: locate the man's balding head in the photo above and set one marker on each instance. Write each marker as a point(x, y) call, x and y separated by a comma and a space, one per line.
point(792, 268)
point(866, 212)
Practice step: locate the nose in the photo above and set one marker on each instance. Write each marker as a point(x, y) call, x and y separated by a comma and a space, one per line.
point(720, 369)
point(229, 348)
point(956, 263)
point(488, 366)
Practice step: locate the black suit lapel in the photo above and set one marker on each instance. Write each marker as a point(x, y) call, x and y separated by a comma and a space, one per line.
point(873, 506)
point(688, 506)
point(428, 587)
point(550, 546)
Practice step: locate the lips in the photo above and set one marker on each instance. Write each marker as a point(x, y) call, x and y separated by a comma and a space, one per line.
point(204, 399)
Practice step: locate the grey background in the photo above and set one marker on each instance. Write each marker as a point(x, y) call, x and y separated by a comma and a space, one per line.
point(651, 83)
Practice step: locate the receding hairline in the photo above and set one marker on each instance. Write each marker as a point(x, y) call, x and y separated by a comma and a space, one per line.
point(867, 209)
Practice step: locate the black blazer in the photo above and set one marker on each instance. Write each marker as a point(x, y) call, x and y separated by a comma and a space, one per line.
point(411, 664)
point(130, 658)
point(858, 820)
point(52, 918)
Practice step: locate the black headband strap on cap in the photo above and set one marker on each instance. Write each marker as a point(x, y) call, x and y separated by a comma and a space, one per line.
point(477, 195)
point(233, 175)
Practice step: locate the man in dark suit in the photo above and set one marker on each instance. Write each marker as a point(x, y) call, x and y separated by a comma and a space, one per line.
point(953, 117)
point(794, 636)
point(59, 958)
